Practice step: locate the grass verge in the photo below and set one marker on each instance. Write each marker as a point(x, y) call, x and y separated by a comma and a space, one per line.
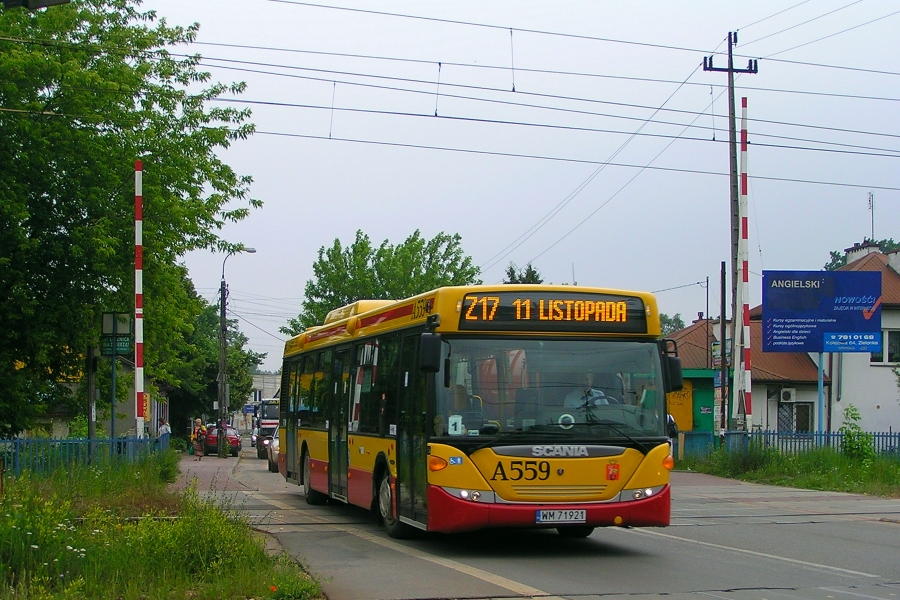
point(119, 533)
point(820, 469)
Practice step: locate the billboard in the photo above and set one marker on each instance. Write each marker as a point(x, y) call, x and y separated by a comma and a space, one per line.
point(821, 311)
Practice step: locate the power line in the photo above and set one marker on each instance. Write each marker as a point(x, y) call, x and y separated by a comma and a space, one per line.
point(520, 92)
point(575, 111)
point(241, 317)
point(881, 152)
point(557, 34)
point(678, 287)
point(803, 23)
point(630, 105)
point(486, 26)
point(771, 16)
point(504, 68)
point(555, 210)
point(570, 160)
point(836, 33)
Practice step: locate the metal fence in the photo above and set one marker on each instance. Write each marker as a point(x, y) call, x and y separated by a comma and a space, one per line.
point(45, 455)
point(699, 444)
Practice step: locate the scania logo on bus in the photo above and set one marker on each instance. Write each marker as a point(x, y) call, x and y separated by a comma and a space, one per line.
point(559, 451)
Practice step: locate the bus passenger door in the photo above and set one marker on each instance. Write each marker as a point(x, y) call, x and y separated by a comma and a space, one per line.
point(337, 463)
point(412, 446)
point(293, 408)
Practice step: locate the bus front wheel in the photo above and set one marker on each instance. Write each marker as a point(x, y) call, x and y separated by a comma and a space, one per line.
point(312, 496)
point(393, 526)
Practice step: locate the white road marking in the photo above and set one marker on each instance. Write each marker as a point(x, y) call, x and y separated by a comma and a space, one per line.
point(509, 584)
point(750, 552)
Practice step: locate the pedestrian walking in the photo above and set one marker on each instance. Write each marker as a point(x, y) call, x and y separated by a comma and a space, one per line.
point(198, 438)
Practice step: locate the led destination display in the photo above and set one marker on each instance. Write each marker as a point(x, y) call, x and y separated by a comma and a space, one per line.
point(553, 311)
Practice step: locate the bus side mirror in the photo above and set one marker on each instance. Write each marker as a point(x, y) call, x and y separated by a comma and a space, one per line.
point(674, 380)
point(430, 353)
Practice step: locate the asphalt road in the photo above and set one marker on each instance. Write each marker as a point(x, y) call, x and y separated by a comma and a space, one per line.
point(727, 540)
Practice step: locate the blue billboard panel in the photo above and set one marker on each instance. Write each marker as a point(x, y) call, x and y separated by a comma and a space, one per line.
point(821, 311)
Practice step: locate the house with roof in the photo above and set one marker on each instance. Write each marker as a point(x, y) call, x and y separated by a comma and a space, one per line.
point(870, 381)
point(784, 384)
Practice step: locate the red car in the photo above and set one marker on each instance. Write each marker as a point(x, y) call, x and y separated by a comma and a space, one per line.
point(231, 435)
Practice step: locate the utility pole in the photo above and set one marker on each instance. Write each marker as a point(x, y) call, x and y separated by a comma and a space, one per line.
point(752, 68)
point(220, 437)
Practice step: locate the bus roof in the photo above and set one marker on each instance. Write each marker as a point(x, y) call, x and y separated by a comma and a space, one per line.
point(516, 309)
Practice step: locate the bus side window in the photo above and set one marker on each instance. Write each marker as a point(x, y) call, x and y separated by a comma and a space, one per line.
point(301, 389)
point(365, 373)
point(387, 382)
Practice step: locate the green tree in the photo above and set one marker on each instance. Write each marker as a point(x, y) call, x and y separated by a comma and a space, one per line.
point(86, 88)
point(669, 324)
point(528, 274)
point(361, 271)
point(839, 259)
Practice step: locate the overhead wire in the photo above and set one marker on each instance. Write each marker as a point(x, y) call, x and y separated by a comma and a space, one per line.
point(554, 96)
point(569, 160)
point(836, 33)
point(630, 105)
point(802, 24)
point(486, 26)
point(509, 249)
point(772, 16)
point(592, 113)
point(880, 152)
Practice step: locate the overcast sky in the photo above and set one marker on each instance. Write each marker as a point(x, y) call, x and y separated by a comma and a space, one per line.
point(519, 174)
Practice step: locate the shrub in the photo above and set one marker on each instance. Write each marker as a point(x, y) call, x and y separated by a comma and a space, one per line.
point(856, 444)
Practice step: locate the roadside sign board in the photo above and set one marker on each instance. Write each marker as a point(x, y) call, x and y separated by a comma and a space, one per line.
point(123, 345)
point(821, 311)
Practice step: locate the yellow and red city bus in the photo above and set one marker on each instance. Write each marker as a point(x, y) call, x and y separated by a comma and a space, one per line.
point(485, 406)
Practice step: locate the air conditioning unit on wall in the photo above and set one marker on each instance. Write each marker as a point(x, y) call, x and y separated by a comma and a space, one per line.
point(788, 394)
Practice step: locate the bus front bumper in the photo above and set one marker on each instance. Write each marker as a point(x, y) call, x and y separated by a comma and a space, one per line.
point(451, 514)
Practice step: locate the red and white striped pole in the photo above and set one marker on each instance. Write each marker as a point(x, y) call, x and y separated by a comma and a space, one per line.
point(140, 406)
point(744, 253)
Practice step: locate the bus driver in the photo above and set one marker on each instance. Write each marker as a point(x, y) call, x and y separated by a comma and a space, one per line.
point(586, 394)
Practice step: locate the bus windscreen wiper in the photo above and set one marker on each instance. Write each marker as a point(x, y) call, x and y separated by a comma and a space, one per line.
point(613, 425)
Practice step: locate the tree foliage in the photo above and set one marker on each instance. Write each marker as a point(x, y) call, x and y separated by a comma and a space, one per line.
point(528, 274)
point(197, 387)
point(86, 88)
point(362, 271)
point(839, 259)
point(669, 324)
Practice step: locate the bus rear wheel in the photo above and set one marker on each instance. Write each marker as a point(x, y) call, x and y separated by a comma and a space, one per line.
point(575, 531)
point(394, 527)
point(312, 496)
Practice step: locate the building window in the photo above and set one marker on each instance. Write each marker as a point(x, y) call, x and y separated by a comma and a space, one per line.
point(890, 345)
point(795, 417)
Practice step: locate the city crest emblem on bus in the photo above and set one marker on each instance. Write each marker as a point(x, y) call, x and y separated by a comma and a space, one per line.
point(612, 471)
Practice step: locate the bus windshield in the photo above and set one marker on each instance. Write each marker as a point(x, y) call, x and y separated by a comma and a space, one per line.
point(589, 389)
point(269, 411)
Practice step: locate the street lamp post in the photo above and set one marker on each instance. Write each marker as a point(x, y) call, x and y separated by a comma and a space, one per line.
point(221, 439)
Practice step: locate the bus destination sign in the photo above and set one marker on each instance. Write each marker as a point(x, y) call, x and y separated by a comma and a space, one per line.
point(552, 311)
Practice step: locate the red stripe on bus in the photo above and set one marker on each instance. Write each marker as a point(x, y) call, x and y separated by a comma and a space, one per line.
point(318, 335)
point(394, 313)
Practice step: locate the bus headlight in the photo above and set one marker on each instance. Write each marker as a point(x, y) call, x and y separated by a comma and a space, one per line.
point(641, 493)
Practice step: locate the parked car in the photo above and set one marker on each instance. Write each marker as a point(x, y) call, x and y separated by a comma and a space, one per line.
point(264, 434)
point(231, 435)
point(253, 435)
point(272, 451)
